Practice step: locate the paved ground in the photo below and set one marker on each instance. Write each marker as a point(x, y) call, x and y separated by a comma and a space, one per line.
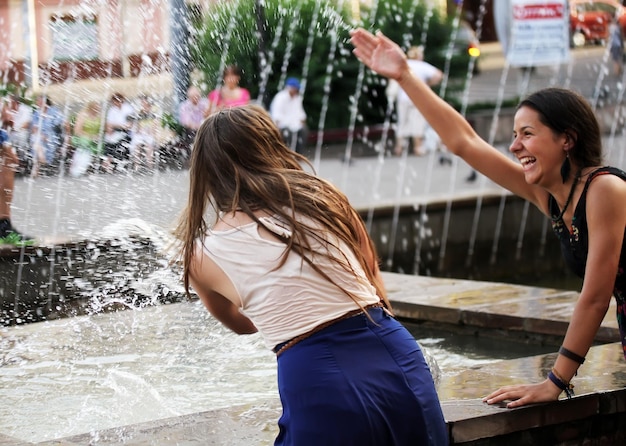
point(75, 208)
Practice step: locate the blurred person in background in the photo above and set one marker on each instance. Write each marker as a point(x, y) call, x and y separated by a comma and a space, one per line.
point(47, 133)
point(191, 113)
point(148, 134)
point(117, 134)
point(8, 164)
point(87, 138)
point(17, 118)
point(411, 124)
point(230, 94)
point(616, 47)
point(288, 113)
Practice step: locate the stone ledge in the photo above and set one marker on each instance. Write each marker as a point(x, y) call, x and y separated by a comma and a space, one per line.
point(597, 415)
point(471, 421)
point(47, 281)
point(501, 306)
point(240, 425)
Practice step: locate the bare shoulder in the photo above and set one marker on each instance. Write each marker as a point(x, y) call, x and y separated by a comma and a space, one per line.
point(607, 184)
point(606, 196)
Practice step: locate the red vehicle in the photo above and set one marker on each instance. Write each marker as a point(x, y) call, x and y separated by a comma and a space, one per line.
point(590, 20)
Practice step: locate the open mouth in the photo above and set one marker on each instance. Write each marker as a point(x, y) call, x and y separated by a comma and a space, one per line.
point(527, 161)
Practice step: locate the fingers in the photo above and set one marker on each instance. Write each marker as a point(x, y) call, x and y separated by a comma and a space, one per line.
point(499, 395)
point(518, 403)
point(521, 395)
point(361, 34)
point(363, 41)
point(365, 44)
point(516, 395)
point(386, 40)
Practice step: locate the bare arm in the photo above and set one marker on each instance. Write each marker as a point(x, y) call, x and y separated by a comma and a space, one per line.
point(206, 279)
point(606, 222)
point(79, 124)
point(436, 78)
point(387, 59)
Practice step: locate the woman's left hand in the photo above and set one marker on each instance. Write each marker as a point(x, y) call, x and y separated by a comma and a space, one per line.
point(524, 394)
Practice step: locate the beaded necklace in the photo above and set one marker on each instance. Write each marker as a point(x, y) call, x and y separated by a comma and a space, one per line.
point(569, 197)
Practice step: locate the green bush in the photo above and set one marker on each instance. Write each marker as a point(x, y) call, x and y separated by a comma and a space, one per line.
point(309, 39)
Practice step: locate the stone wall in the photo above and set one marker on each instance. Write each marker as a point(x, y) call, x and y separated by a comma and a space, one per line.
point(67, 279)
point(496, 237)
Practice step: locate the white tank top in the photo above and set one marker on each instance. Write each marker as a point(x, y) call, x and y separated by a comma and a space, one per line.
point(293, 299)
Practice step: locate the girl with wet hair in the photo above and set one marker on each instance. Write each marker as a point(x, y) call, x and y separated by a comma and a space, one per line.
point(558, 167)
point(288, 256)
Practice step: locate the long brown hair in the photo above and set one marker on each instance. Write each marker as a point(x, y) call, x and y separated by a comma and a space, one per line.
point(239, 162)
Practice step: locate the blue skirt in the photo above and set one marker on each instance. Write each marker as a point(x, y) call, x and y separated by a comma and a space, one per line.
point(358, 383)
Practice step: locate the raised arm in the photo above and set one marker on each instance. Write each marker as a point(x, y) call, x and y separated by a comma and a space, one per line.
point(387, 59)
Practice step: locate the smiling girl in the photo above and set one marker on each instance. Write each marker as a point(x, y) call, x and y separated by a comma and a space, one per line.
point(558, 167)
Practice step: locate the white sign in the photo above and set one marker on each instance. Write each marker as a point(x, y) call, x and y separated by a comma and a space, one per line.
point(539, 33)
point(74, 38)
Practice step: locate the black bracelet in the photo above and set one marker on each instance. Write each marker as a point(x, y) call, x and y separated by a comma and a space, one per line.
point(571, 355)
point(567, 388)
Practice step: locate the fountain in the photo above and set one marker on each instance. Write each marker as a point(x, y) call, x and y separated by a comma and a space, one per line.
point(105, 240)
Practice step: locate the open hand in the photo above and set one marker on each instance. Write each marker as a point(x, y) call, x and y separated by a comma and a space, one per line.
point(379, 53)
point(523, 394)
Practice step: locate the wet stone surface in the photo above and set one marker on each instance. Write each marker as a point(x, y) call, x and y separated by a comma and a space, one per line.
point(157, 363)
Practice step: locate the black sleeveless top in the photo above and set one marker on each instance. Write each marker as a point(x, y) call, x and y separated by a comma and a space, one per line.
point(575, 245)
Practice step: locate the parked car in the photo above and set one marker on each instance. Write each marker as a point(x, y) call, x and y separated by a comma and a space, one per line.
point(466, 41)
point(590, 20)
point(465, 47)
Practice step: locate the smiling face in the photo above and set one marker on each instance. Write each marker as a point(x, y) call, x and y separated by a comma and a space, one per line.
point(538, 148)
point(232, 76)
point(231, 80)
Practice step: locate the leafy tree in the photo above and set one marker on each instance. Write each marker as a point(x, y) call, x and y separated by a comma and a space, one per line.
point(309, 39)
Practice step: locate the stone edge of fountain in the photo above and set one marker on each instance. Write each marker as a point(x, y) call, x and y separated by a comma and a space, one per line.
point(599, 409)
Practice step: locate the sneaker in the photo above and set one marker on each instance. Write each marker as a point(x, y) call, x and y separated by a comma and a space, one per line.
point(471, 177)
point(10, 236)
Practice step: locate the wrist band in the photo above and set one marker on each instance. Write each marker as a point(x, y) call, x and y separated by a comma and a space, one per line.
point(571, 355)
point(567, 388)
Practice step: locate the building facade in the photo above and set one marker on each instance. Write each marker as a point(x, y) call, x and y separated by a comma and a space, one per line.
point(46, 42)
point(53, 41)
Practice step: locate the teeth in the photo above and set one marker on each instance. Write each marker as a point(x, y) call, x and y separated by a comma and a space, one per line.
point(526, 160)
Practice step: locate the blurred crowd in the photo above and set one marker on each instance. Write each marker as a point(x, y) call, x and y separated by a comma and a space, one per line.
point(118, 134)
